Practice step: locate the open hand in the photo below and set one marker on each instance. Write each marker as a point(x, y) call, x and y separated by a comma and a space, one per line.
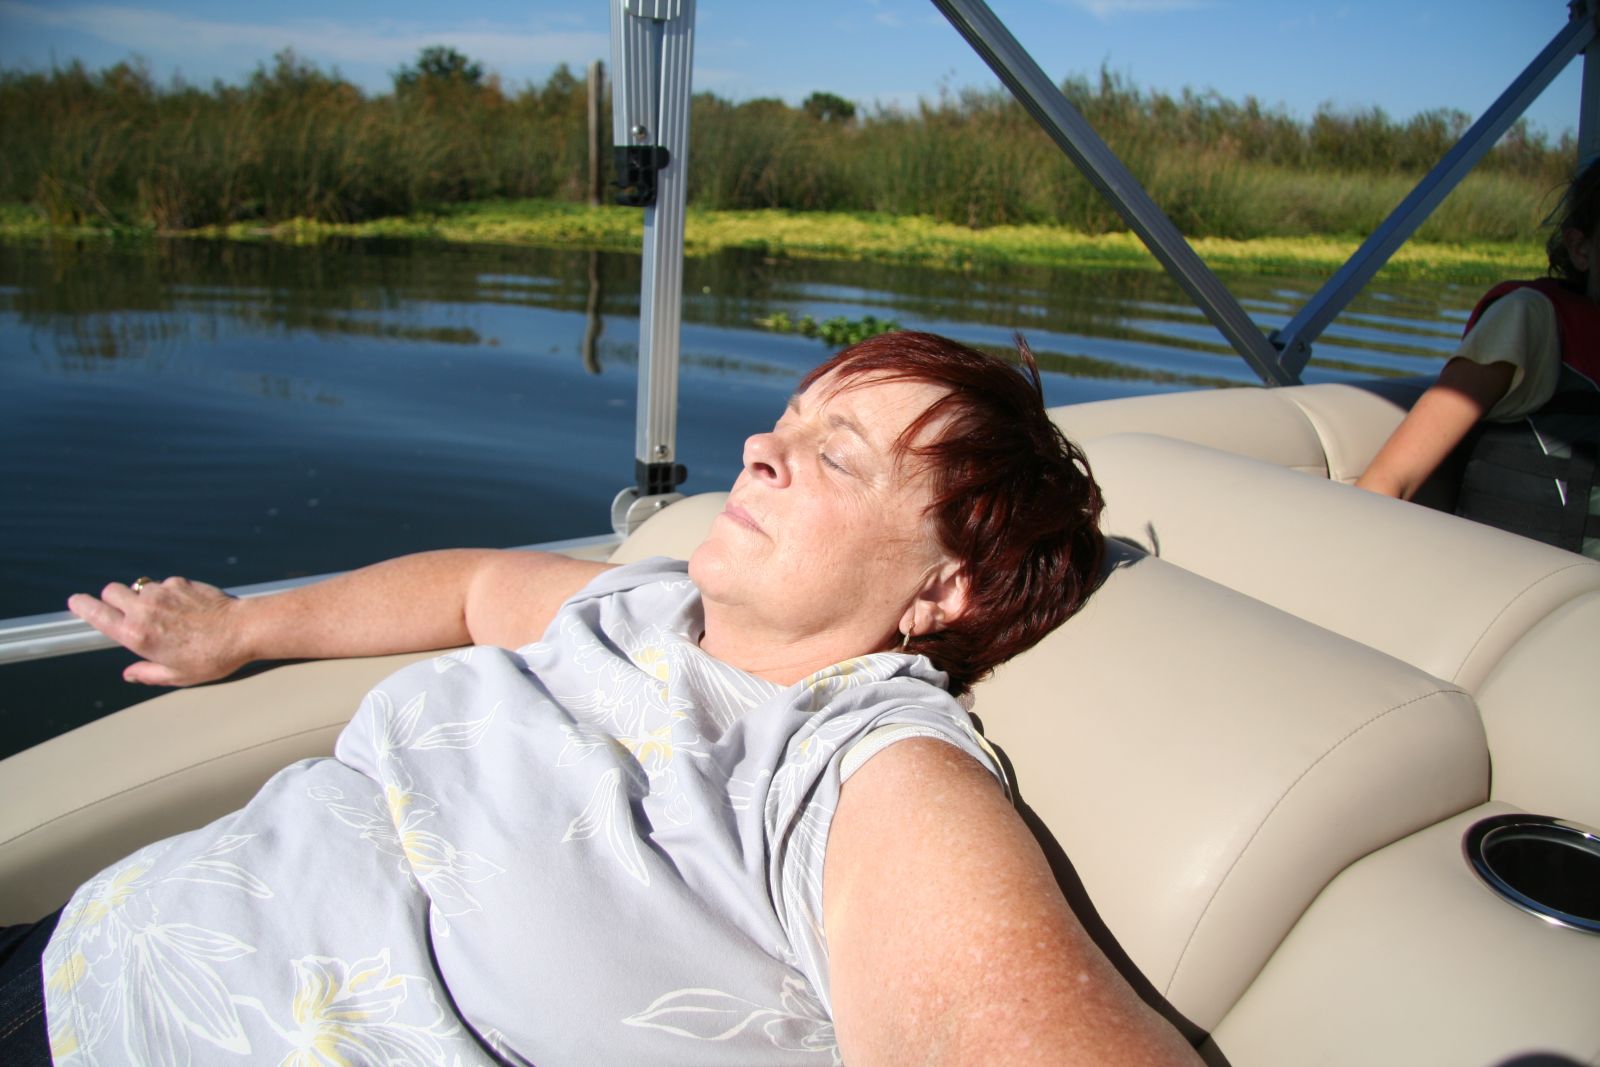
point(186, 631)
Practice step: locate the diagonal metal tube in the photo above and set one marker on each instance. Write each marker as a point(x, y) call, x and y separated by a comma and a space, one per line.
point(1044, 100)
point(1296, 337)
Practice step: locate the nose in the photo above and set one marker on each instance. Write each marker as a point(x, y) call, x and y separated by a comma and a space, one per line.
point(765, 461)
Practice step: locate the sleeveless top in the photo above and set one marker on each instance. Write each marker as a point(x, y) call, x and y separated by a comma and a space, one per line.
point(604, 847)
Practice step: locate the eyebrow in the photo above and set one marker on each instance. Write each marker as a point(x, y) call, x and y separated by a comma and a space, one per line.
point(835, 420)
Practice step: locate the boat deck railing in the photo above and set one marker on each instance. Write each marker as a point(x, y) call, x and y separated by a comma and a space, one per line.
point(652, 44)
point(61, 633)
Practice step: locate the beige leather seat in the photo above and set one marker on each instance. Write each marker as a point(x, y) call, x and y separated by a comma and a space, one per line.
point(1257, 748)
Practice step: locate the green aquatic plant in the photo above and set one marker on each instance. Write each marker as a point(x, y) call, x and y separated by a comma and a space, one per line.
point(837, 332)
point(861, 237)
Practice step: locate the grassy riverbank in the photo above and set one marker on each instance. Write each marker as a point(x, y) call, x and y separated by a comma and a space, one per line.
point(869, 237)
point(113, 148)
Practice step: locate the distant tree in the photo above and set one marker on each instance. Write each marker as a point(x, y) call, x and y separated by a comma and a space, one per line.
point(826, 107)
point(437, 66)
point(294, 78)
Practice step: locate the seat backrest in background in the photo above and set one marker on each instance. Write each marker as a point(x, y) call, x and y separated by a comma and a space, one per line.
point(674, 531)
point(1443, 594)
point(1330, 430)
point(1508, 619)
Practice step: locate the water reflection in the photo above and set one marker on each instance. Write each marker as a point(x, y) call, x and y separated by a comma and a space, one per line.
point(99, 301)
point(244, 412)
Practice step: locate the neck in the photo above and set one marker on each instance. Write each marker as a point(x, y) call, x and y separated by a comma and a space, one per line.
point(782, 658)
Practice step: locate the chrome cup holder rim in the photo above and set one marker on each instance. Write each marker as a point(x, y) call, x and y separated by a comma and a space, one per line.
point(1483, 834)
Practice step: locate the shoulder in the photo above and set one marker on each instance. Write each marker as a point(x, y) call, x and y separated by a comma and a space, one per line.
point(1524, 307)
point(1518, 328)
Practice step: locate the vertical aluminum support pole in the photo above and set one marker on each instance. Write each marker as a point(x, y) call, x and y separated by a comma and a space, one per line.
point(652, 53)
point(1050, 108)
point(1589, 101)
point(1296, 337)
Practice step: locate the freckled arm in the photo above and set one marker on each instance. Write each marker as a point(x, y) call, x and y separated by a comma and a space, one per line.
point(949, 941)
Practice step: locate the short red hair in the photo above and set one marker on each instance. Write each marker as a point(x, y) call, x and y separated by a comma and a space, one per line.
point(1014, 501)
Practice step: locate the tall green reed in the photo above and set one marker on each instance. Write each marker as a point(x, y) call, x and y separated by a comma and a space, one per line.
point(114, 148)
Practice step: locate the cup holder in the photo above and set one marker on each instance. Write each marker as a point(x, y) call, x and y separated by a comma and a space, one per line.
point(1548, 867)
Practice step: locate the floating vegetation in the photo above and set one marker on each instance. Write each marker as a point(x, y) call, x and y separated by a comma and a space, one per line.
point(856, 237)
point(837, 332)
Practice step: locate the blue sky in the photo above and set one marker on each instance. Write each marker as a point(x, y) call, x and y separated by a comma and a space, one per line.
point(1404, 56)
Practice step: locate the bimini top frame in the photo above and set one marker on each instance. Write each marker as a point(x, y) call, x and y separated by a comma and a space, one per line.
point(1280, 357)
point(652, 59)
point(652, 50)
point(652, 45)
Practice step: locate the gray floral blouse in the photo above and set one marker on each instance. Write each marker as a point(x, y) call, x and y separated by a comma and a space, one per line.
point(604, 847)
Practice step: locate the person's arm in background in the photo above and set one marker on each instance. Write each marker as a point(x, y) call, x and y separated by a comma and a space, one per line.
point(1511, 357)
point(1438, 422)
point(189, 632)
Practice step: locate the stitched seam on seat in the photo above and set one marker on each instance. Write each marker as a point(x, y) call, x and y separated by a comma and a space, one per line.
point(170, 774)
point(1511, 603)
point(1201, 918)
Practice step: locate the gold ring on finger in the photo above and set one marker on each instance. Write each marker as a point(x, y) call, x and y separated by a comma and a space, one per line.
point(140, 583)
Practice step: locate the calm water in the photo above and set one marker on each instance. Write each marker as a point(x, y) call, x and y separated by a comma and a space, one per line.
point(248, 413)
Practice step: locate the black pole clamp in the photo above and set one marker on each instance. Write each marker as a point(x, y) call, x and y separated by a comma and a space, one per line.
point(637, 167)
point(658, 479)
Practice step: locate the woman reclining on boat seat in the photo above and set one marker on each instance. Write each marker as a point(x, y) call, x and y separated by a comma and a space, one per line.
point(729, 812)
point(1529, 363)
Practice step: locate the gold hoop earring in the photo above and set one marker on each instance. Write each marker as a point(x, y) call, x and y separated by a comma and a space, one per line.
point(905, 639)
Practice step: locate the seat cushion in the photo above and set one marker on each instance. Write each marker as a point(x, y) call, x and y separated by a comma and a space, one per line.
point(1408, 958)
point(1209, 763)
point(1444, 594)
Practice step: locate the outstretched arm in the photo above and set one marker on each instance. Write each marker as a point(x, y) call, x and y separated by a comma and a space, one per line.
point(189, 632)
point(1438, 422)
point(948, 939)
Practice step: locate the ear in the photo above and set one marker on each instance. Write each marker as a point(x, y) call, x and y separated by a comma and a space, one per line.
point(941, 600)
point(1578, 246)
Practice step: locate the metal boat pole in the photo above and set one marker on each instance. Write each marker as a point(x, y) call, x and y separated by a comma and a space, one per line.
point(1296, 337)
point(652, 52)
point(1589, 100)
point(1049, 107)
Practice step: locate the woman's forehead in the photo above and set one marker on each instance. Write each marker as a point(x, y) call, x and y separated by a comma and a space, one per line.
point(876, 395)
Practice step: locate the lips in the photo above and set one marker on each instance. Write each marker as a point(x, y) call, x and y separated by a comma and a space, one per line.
point(742, 517)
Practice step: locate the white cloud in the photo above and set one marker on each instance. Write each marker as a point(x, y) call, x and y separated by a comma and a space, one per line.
point(163, 37)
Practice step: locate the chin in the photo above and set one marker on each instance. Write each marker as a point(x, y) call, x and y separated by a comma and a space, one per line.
point(714, 572)
point(707, 563)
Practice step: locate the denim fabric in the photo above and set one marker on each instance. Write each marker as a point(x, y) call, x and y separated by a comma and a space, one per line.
point(24, 1041)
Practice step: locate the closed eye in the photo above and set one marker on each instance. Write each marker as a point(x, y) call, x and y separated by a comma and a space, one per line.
point(831, 462)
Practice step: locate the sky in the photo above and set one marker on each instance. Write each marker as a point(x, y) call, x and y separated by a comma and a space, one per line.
point(1404, 56)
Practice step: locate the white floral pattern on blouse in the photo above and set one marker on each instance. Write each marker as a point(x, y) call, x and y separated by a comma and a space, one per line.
point(603, 847)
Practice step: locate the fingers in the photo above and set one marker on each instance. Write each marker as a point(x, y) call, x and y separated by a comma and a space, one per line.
point(125, 596)
point(179, 629)
point(119, 596)
point(125, 616)
point(112, 622)
point(146, 673)
point(102, 616)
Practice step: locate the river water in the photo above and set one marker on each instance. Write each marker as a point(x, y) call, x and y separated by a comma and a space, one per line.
point(243, 413)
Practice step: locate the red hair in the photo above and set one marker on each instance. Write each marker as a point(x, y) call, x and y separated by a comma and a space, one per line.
point(1014, 502)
